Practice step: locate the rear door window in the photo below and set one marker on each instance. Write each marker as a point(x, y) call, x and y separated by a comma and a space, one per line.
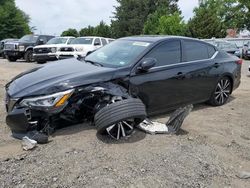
point(104, 42)
point(44, 38)
point(211, 51)
point(195, 50)
point(167, 53)
point(69, 40)
point(97, 41)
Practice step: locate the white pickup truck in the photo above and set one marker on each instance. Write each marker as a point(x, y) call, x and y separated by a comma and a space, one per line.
point(81, 46)
point(47, 52)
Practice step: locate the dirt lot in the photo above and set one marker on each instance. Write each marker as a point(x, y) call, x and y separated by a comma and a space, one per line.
point(213, 148)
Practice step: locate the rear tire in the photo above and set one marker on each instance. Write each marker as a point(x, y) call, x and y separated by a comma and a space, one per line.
point(11, 59)
point(28, 56)
point(222, 92)
point(41, 62)
point(119, 119)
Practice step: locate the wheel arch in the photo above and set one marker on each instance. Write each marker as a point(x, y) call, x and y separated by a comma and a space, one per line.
point(29, 48)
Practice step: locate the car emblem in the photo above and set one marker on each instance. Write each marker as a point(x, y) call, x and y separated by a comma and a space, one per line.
point(40, 50)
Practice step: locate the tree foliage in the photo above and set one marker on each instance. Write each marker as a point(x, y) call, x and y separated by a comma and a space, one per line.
point(163, 23)
point(70, 32)
point(206, 22)
point(102, 30)
point(14, 23)
point(131, 15)
point(214, 17)
point(172, 25)
point(87, 31)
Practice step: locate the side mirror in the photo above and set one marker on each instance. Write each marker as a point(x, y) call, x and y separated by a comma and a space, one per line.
point(40, 42)
point(147, 64)
point(97, 44)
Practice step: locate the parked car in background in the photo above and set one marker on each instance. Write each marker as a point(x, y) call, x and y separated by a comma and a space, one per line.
point(23, 48)
point(47, 52)
point(227, 46)
point(110, 40)
point(224, 45)
point(80, 47)
point(115, 84)
point(2, 42)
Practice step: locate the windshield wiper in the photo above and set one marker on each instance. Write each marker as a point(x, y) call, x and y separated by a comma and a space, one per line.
point(94, 63)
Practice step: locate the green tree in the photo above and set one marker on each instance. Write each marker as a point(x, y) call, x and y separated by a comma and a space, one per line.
point(14, 23)
point(244, 14)
point(164, 23)
point(207, 22)
point(87, 31)
point(214, 17)
point(131, 15)
point(102, 30)
point(172, 25)
point(70, 32)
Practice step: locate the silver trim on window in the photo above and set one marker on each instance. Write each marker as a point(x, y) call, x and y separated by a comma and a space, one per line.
point(187, 62)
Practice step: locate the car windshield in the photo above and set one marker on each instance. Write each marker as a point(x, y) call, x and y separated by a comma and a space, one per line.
point(29, 38)
point(119, 53)
point(82, 41)
point(58, 40)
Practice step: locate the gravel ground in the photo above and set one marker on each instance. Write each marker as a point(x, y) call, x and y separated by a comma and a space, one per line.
point(213, 147)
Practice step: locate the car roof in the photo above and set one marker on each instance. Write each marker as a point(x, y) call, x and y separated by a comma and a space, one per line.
point(90, 37)
point(155, 38)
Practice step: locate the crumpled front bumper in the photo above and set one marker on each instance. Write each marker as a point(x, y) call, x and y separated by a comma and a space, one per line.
point(18, 120)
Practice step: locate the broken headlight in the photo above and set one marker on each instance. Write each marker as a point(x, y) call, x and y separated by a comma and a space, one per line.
point(54, 100)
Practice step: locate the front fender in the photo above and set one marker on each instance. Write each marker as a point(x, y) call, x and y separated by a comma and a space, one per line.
point(29, 48)
point(108, 88)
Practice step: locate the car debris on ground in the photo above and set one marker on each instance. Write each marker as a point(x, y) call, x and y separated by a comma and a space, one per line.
point(28, 144)
point(171, 127)
point(243, 175)
point(39, 137)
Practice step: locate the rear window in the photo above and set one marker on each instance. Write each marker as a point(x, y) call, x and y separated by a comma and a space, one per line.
point(195, 50)
point(104, 42)
point(211, 51)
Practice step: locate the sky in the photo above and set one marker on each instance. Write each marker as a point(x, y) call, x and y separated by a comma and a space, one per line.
point(55, 16)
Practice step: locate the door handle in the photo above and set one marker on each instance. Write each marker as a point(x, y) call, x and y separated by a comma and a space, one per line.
point(216, 65)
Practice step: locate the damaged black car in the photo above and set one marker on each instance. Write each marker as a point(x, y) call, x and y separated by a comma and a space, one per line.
point(118, 86)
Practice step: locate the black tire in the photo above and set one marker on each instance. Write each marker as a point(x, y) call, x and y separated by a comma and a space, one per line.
point(118, 112)
point(11, 59)
point(28, 56)
point(221, 92)
point(41, 62)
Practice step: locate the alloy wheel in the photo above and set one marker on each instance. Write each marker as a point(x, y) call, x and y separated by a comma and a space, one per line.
point(222, 91)
point(121, 129)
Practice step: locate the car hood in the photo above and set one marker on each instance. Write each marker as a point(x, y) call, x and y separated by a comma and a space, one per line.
point(85, 46)
point(49, 46)
point(57, 76)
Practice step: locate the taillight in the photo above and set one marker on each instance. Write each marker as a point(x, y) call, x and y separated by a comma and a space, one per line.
point(239, 62)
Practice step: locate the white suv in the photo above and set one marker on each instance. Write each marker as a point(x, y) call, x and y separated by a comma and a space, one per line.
point(47, 52)
point(81, 46)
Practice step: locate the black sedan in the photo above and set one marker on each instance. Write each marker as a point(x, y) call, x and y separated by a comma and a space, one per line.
point(119, 85)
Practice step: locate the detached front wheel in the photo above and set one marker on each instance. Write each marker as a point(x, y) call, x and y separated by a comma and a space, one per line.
point(119, 119)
